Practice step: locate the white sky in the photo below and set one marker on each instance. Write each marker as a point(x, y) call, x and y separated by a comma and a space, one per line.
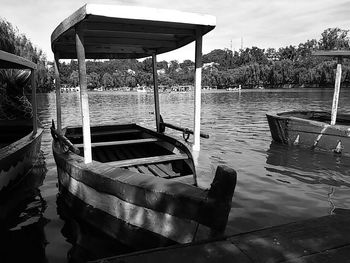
point(261, 23)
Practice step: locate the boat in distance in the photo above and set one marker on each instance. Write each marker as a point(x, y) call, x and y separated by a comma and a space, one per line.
point(20, 139)
point(132, 183)
point(320, 130)
point(311, 129)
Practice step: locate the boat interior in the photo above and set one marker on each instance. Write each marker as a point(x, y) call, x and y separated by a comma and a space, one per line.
point(137, 149)
point(321, 116)
point(14, 130)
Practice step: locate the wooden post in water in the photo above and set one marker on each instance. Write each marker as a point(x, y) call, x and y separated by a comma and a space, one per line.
point(84, 100)
point(58, 93)
point(34, 106)
point(197, 91)
point(156, 94)
point(336, 92)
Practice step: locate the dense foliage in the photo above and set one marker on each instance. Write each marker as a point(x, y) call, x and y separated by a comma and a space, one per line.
point(250, 67)
point(13, 42)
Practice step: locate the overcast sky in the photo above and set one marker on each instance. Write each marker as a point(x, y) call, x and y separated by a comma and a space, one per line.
point(261, 23)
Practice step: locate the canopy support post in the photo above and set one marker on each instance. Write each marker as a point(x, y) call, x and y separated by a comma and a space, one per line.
point(84, 100)
point(336, 92)
point(34, 106)
point(58, 94)
point(197, 91)
point(155, 88)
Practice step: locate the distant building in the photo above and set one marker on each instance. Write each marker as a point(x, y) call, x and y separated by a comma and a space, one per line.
point(210, 65)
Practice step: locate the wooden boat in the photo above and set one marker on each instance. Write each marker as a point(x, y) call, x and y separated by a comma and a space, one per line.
point(127, 180)
point(327, 131)
point(20, 140)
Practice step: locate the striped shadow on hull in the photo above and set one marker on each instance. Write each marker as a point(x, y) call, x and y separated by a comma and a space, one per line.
point(176, 229)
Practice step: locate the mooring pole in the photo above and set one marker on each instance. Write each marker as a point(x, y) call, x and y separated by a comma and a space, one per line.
point(156, 93)
point(84, 100)
point(197, 91)
point(336, 92)
point(58, 93)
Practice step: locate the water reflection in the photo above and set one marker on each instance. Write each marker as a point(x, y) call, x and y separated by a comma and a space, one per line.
point(308, 166)
point(88, 243)
point(276, 184)
point(22, 237)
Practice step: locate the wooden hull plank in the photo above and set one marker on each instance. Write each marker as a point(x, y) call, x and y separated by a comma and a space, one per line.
point(17, 159)
point(157, 193)
point(177, 229)
point(129, 155)
point(309, 133)
point(111, 226)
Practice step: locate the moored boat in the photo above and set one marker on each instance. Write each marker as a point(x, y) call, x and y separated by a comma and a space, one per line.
point(321, 130)
point(135, 184)
point(20, 139)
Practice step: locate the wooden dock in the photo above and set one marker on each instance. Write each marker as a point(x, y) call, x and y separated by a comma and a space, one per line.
point(323, 239)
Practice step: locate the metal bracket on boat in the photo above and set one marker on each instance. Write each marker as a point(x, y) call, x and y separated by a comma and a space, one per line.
point(339, 147)
point(186, 134)
point(296, 141)
point(63, 140)
point(185, 131)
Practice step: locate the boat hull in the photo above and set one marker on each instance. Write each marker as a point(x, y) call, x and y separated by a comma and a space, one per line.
point(17, 159)
point(139, 210)
point(311, 129)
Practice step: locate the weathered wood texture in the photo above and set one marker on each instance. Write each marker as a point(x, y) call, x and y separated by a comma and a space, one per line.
point(145, 198)
point(113, 31)
point(296, 240)
point(123, 142)
point(155, 90)
point(84, 99)
point(8, 60)
point(17, 158)
point(324, 239)
point(336, 93)
point(58, 93)
point(34, 103)
point(310, 132)
point(197, 90)
point(149, 160)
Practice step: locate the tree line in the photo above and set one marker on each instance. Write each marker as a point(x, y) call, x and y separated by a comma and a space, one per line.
point(12, 41)
point(250, 67)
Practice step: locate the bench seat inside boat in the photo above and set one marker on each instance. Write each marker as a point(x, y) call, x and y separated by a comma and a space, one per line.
point(133, 149)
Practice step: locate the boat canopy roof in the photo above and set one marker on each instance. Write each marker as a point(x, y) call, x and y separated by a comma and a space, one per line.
point(332, 53)
point(112, 31)
point(8, 60)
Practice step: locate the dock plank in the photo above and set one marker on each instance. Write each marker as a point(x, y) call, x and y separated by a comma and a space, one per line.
point(216, 252)
point(323, 239)
point(295, 240)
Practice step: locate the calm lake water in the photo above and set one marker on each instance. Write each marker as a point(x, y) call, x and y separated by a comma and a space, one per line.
point(276, 184)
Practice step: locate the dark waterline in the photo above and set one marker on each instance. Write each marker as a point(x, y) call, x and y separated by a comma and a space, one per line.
point(276, 184)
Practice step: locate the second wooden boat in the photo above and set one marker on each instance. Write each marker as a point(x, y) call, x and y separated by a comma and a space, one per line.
point(326, 131)
point(20, 140)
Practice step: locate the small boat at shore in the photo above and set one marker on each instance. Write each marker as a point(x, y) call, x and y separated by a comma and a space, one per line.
point(132, 183)
point(326, 131)
point(20, 140)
